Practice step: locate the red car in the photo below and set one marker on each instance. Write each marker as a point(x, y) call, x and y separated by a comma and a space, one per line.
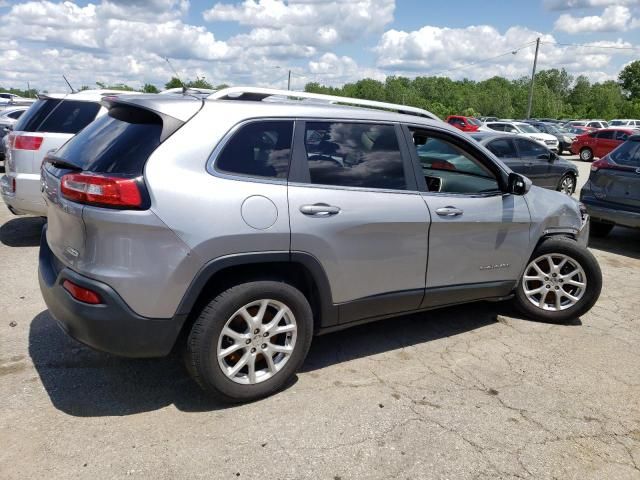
point(600, 142)
point(466, 124)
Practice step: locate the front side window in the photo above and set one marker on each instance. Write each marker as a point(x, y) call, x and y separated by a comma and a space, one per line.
point(605, 135)
point(450, 169)
point(529, 148)
point(502, 148)
point(496, 126)
point(259, 149)
point(621, 135)
point(354, 155)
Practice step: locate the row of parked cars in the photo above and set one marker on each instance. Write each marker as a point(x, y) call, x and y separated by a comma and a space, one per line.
point(237, 224)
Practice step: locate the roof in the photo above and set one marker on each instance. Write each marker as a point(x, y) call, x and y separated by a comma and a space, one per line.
point(87, 95)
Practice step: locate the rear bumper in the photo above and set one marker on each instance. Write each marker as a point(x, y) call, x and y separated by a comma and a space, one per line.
point(111, 326)
point(27, 197)
point(619, 217)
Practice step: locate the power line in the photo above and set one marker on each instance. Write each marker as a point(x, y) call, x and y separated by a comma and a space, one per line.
point(513, 51)
point(613, 47)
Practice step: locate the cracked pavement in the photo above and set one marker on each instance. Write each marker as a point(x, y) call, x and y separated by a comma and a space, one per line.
point(471, 392)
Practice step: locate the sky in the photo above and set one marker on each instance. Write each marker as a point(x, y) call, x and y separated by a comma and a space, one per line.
point(256, 42)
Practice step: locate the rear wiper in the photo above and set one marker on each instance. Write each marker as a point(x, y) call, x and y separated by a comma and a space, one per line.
point(61, 163)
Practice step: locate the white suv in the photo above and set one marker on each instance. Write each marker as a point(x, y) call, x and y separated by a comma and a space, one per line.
point(48, 124)
point(549, 141)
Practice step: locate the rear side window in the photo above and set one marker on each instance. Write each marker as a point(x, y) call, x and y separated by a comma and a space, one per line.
point(496, 126)
point(529, 148)
point(259, 149)
point(354, 155)
point(503, 148)
point(15, 115)
point(119, 143)
point(621, 135)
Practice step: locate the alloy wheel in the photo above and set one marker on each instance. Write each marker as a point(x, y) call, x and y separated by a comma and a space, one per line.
point(568, 185)
point(257, 341)
point(554, 282)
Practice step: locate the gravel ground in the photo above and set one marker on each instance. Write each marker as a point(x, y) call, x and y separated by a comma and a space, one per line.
point(467, 392)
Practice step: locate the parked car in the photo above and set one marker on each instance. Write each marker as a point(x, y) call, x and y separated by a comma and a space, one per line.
point(466, 124)
point(488, 119)
point(46, 125)
point(598, 143)
point(527, 130)
point(564, 140)
point(8, 117)
point(624, 123)
point(10, 99)
point(265, 241)
point(612, 193)
point(596, 124)
point(527, 157)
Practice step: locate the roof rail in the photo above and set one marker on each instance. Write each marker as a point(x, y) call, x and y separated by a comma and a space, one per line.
point(259, 94)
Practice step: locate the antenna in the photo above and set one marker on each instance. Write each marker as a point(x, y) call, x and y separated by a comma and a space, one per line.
point(184, 88)
point(70, 87)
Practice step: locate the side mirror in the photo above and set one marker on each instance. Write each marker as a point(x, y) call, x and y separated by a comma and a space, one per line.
point(553, 156)
point(518, 184)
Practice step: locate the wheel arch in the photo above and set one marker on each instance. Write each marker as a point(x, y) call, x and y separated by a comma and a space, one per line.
point(299, 269)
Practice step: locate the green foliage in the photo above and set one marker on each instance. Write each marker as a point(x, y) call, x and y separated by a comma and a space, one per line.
point(629, 79)
point(556, 95)
point(115, 86)
point(21, 93)
point(149, 88)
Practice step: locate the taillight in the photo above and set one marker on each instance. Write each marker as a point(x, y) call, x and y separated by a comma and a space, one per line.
point(101, 190)
point(26, 142)
point(81, 294)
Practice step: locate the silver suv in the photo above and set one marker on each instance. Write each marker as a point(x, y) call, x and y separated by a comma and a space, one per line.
point(241, 223)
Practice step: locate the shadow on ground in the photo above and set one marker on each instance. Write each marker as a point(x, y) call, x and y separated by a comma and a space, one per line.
point(22, 232)
point(621, 241)
point(85, 383)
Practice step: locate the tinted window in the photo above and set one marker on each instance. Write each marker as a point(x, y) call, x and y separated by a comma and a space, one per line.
point(70, 116)
point(605, 135)
point(449, 168)
point(354, 155)
point(627, 154)
point(502, 148)
point(456, 121)
point(496, 126)
point(621, 135)
point(259, 149)
point(510, 129)
point(16, 114)
point(35, 115)
point(119, 142)
point(529, 148)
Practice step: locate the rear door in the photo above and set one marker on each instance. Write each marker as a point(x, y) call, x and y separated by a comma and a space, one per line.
point(505, 150)
point(604, 143)
point(478, 233)
point(354, 206)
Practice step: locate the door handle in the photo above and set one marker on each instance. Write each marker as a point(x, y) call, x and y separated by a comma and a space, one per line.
point(449, 211)
point(319, 210)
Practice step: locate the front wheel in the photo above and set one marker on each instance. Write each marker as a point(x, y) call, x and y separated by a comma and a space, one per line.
point(567, 184)
point(562, 281)
point(250, 340)
point(586, 154)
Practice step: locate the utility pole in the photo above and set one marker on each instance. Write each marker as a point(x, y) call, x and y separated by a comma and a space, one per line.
point(533, 76)
point(289, 81)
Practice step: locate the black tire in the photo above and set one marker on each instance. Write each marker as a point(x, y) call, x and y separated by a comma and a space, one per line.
point(565, 177)
point(559, 152)
point(600, 229)
point(586, 154)
point(586, 260)
point(202, 343)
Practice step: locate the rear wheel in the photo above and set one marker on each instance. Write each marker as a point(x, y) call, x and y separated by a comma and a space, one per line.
point(562, 281)
point(600, 229)
point(586, 154)
point(567, 184)
point(249, 341)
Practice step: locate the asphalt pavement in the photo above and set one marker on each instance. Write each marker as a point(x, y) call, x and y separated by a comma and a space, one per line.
point(459, 393)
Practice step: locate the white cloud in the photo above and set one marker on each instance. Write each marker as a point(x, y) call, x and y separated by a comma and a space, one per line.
point(571, 4)
point(308, 22)
point(467, 52)
point(613, 19)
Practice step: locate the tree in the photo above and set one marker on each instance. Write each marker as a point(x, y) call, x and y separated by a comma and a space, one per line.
point(175, 82)
point(199, 82)
point(629, 79)
point(149, 88)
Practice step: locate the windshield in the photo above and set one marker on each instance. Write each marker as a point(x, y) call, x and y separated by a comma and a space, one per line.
point(616, 123)
point(553, 129)
point(527, 128)
point(627, 154)
point(474, 121)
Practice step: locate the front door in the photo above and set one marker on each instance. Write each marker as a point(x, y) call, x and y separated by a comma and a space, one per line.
point(479, 236)
point(354, 206)
point(537, 162)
